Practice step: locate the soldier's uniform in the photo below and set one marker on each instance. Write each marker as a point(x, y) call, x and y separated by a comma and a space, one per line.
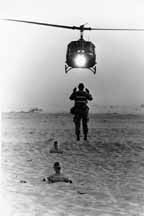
point(80, 110)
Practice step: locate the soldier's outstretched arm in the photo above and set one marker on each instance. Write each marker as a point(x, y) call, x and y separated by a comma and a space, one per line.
point(89, 96)
point(72, 96)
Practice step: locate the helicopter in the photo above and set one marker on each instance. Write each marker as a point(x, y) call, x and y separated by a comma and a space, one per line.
point(80, 53)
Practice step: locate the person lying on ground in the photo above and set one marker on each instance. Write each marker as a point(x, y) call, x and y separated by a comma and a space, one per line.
point(55, 148)
point(57, 176)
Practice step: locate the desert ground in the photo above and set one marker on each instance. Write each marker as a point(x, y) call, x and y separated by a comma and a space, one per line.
point(107, 171)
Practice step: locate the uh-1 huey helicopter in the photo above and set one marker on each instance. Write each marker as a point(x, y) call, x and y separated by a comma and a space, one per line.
point(80, 53)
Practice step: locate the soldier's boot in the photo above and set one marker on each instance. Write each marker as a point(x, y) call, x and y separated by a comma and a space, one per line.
point(85, 136)
point(78, 137)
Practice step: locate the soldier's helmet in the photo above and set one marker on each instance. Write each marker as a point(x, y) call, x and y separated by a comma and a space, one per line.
point(81, 86)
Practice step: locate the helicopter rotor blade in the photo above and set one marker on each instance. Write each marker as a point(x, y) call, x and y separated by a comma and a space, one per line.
point(117, 29)
point(45, 24)
point(76, 27)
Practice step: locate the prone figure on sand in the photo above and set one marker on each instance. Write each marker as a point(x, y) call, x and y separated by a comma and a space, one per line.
point(57, 176)
point(80, 109)
point(55, 148)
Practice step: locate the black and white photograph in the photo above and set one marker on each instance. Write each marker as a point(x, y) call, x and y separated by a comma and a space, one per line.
point(72, 107)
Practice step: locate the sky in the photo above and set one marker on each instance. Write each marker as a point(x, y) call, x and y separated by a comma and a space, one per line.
point(32, 57)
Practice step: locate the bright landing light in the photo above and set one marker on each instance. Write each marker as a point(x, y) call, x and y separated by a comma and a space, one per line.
point(80, 60)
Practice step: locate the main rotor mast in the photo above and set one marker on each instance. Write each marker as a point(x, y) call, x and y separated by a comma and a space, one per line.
point(81, 32)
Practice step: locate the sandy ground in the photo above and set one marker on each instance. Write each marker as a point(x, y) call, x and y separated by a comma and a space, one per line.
point(107, 170)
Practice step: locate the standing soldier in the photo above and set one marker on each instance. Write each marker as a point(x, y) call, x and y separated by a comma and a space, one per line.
point(80, 109)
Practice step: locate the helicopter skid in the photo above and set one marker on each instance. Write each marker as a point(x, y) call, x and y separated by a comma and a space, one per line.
point(68, 68)
point(93, 69)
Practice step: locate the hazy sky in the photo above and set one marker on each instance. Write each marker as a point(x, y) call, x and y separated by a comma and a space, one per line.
point(32, 57)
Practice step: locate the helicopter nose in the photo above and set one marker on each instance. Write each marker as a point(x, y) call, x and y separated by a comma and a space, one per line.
point(80, 60)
